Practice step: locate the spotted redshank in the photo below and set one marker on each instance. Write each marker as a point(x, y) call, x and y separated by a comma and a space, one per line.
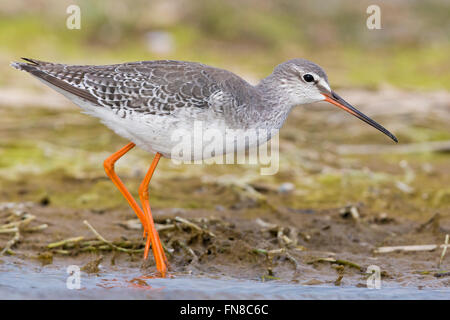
point(145, 102)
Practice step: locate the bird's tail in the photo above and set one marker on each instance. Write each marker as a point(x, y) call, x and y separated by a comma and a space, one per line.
point(52, 74)
point(29, 65)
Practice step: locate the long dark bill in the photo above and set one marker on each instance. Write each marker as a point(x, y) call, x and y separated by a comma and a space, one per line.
point(341, 103)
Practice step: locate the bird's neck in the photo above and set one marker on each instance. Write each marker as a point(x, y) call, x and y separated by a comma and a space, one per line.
point(274, 106)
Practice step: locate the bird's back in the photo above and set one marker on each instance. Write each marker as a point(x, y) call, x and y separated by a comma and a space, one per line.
point(152, 87)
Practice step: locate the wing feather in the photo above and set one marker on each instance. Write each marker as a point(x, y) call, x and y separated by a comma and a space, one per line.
point(151, 87)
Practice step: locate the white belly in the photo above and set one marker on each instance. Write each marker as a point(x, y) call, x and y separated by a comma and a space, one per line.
point(184, 135)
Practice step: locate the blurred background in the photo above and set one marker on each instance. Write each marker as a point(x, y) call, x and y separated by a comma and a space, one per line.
point(250, 36)
point(399, 75)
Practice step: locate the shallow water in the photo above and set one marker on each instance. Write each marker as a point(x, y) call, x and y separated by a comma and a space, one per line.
point(49, 282)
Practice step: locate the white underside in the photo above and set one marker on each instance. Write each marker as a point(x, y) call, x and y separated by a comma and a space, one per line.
point(168, 135)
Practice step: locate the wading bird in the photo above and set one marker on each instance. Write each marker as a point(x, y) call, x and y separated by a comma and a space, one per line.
point(144, 102)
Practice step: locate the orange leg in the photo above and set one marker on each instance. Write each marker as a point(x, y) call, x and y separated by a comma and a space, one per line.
point(109, 168)
point(157, 248)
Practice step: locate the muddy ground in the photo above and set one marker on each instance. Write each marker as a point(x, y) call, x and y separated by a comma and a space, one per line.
point(318, 221)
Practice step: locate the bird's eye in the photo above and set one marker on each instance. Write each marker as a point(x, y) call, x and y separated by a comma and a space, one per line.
point(308, 78)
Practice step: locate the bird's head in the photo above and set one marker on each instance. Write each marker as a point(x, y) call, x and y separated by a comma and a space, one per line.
point(302, 81)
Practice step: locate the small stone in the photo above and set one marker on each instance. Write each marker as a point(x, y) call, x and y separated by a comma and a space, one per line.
point(286, 187)
point(383, 218)
point(45, 258)
point(93, 266)
point(350, 211)
point(264, 224)
point(312, 282)
point(361, 285)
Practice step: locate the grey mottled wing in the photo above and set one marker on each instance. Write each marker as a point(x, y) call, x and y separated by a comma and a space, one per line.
point(148, 87)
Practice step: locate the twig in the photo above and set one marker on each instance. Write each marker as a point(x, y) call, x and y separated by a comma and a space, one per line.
point(189, 250)
point(194, 226)
point(164, 227)
point(60, 251)
point(17, 224)
point(272, 253)
point(423, 247)
point(443, 251)
point(337, 261)
point(348, 263)
point(10, 230)
point(293, 260)
point(64, 242)
point(265, 225)
point(14, 227)
point(260, 251)
point(100, 237)
point(188, 223)
point(280, 236)
point(91, 243)
point(11, 243)
point(37, 228)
